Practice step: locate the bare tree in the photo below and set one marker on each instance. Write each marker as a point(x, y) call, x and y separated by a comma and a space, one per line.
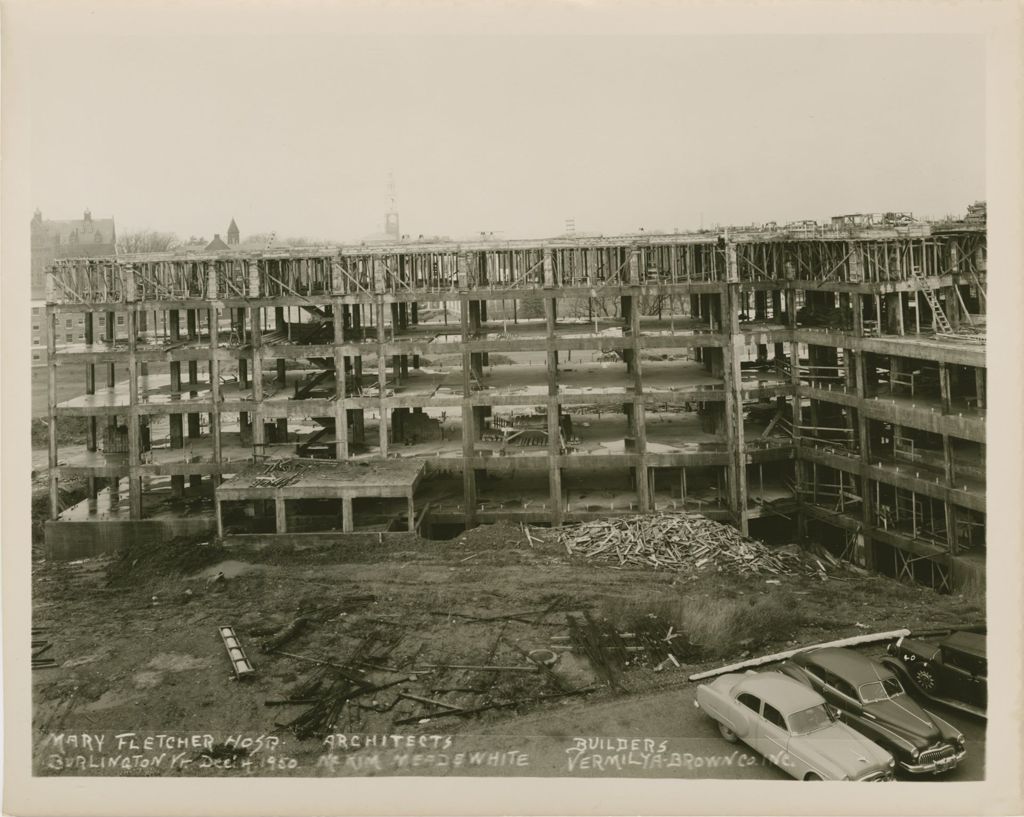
point(146, 241)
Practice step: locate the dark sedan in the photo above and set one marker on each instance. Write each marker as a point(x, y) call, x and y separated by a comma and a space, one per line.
point(871, 699)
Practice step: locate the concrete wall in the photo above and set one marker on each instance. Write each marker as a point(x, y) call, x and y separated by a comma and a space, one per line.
point(307, 541)
point(79, 540)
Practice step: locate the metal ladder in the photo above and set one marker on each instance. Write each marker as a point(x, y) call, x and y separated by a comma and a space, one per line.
point(941, 320)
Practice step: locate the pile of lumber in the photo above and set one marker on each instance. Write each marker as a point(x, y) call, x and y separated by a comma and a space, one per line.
point(680, 541)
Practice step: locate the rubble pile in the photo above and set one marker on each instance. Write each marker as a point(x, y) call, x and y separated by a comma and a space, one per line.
point(680, 541)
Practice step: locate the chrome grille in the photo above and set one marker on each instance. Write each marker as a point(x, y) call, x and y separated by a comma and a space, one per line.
point(939, 751)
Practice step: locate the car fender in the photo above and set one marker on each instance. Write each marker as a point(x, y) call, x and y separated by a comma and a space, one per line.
point(885, 736)
point(722, 708)
point(900, 669)
point(808, 758)
point(949, 732)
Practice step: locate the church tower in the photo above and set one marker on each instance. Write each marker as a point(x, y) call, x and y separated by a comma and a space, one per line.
point(232, 234)
point(391, 216)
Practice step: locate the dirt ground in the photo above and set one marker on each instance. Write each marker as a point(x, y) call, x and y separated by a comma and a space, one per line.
point(138, 649)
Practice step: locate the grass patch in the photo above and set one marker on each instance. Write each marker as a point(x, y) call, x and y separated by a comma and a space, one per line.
point(70, 431)
point(720, 626)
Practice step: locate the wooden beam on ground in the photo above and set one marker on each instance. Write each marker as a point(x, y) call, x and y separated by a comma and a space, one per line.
point(780, 656)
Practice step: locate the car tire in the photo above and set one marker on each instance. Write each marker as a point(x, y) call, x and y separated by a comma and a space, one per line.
point(727, 733)
point(812, 776)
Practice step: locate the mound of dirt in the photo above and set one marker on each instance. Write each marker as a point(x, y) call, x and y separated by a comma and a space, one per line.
point(138, 563)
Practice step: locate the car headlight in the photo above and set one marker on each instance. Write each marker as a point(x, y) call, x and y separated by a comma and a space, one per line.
point(915, 754)
point(892, 763)
point(961, 741)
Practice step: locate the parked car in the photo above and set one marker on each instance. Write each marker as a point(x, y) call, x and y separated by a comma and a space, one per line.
point(792, 726)
point(954, 671)
point(871, 699)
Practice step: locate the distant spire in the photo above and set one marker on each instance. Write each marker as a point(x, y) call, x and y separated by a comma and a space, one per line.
point(233, 237)
point(391, 216)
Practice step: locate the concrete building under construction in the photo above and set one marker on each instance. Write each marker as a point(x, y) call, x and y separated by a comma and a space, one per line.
point(827, 385)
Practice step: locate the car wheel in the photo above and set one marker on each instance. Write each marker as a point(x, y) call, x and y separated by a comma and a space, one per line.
point(925, 680)
point(812, 776)
point(727, 733)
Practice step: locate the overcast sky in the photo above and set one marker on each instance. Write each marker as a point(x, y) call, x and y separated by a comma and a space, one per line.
point(183, 127)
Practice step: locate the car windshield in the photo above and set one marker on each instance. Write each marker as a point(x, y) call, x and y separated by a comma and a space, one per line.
point(809, 720)
point(881, 690)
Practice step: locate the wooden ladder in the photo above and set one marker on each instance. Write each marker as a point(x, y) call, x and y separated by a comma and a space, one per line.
point(940, 317)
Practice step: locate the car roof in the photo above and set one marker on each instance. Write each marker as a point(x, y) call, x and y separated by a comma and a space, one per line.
point(784, 693)
point(849, 665)
point(972, 643)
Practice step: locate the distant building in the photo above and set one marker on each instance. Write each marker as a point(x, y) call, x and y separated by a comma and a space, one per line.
point(217, 243)
point(86, 237)
point(233, 237)
point(977, 213)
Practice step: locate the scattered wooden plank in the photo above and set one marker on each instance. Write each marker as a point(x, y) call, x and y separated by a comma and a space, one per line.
point(781, 656)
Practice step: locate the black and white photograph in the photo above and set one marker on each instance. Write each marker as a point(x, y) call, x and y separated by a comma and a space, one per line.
point(519, 391)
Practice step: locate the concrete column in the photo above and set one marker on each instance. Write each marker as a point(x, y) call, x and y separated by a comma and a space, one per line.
point(51, 407)
point(952, 308)
point(468, 420)
point(279, 326)
point(280, 515)
point(945, 391)
point(639, 429)
point(259, 419)
point(412, 513)
point(867, 500)
point(215, 392)
point(798, 465)
point(734, 405)
point(347, 520)
point(382, 381)
point(340, 389)
point(134, 447)
point(979, 383)
point(549, 269)
point(948, 506)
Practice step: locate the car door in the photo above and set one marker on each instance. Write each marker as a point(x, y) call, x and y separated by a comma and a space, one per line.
point(959, 677)
point(753, 716)
point(773, 737)
point(841, 695)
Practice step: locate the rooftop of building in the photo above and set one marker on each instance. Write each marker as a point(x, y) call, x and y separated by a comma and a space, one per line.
point(71, 231)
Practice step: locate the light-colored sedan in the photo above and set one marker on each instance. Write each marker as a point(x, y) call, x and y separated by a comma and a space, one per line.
point(792, 726)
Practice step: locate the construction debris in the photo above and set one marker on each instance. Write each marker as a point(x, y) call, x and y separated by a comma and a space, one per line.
point(284, 636)
point(680, 541)
point(40, 646)
point(240, 663)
